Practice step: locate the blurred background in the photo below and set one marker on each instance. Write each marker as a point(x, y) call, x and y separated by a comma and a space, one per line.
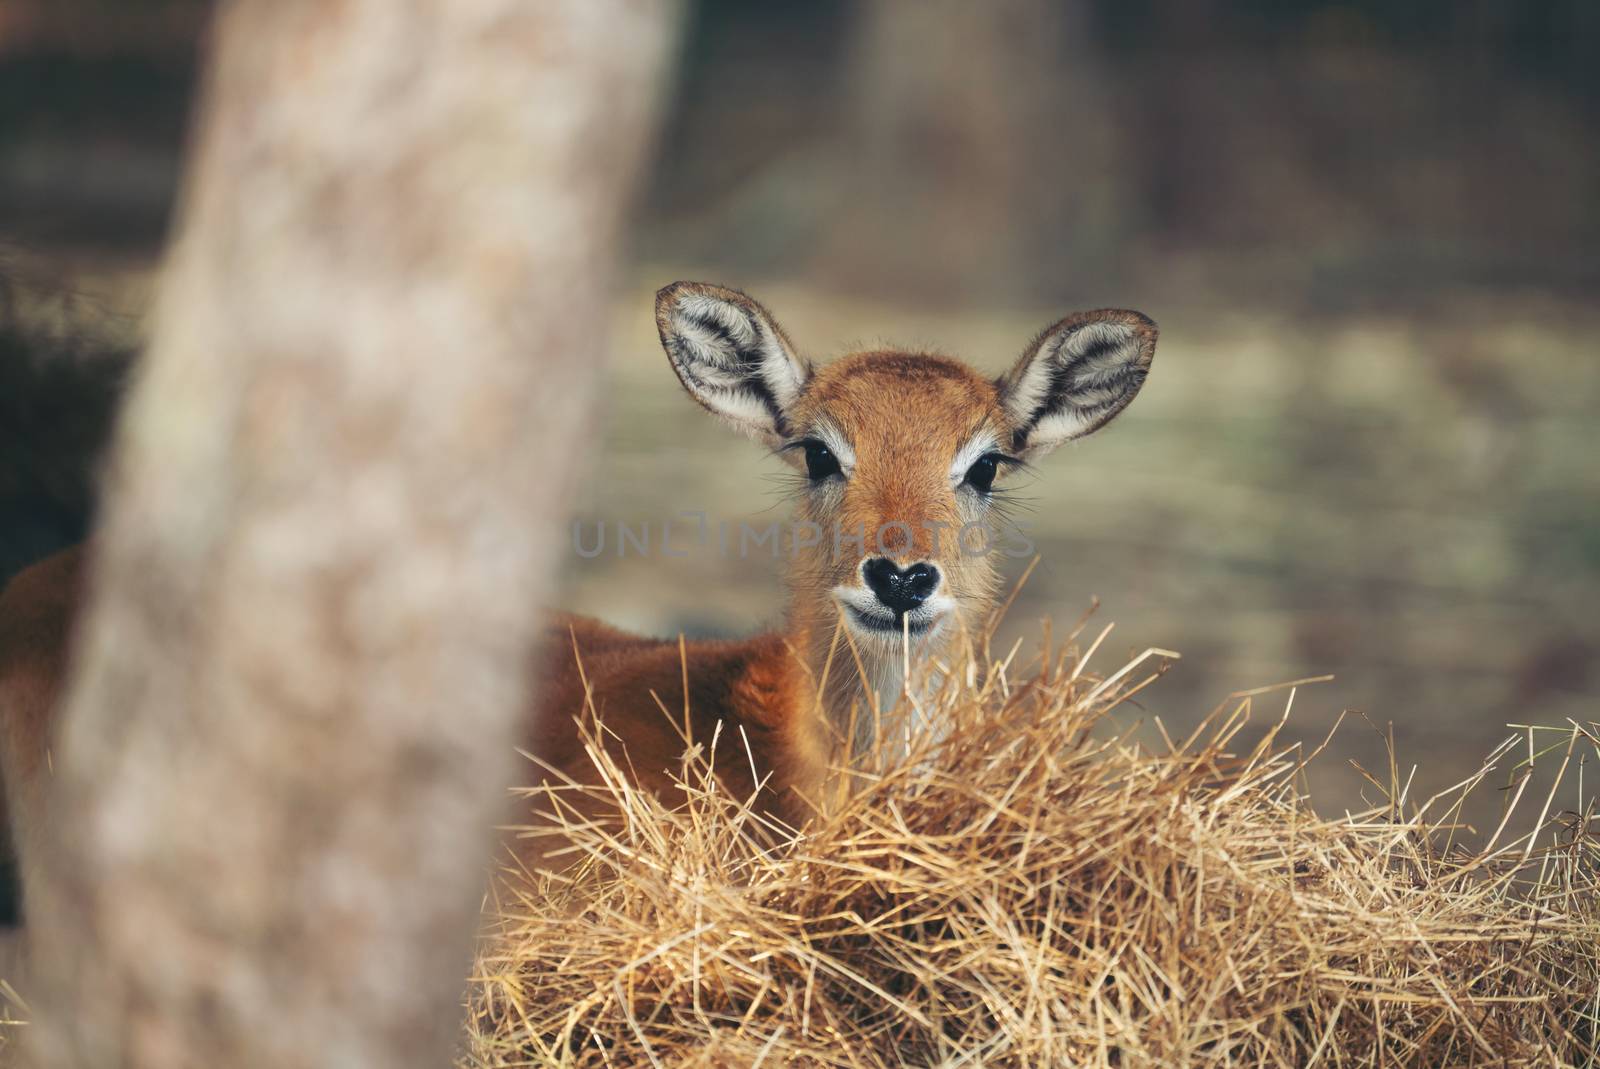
point(1370, 233)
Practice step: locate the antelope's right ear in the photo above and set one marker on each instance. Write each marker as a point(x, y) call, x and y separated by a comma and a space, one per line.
point(732, 357)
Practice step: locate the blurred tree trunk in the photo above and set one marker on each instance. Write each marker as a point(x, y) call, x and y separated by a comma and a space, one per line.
point(980, 153)
point(334, 501)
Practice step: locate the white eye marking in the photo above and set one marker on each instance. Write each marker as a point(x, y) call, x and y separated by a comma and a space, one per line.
point(830, 436)
point(983, 442)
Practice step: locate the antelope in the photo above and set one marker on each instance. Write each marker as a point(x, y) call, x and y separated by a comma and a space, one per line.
point(898, 451)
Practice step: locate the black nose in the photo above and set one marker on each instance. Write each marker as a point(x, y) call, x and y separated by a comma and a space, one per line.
point(899, 590)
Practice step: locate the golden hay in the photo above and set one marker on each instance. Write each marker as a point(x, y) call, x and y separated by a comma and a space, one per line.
point(1036, 889)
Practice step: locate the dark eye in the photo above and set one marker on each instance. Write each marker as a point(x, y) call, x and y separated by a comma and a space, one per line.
point(820, 461)
point(981, 475)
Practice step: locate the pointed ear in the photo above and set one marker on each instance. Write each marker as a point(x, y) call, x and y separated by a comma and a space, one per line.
point(731, 356)
point(1075, 377)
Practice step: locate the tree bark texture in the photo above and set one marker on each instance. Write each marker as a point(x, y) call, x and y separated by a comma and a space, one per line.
point(334, 501)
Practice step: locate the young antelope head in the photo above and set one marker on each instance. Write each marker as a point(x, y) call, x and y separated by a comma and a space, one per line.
point(903, 454)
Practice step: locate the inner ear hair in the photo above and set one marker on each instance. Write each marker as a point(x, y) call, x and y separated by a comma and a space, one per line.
point(731, 356)
point(1076, 376)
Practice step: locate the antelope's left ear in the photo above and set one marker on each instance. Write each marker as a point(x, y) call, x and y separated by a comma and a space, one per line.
point(1075, 377)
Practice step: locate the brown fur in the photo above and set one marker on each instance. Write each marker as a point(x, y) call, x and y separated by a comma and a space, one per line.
point(906, 416)
point(39, 611)
point(754, 690)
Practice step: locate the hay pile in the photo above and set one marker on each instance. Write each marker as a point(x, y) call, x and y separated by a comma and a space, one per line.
point(1036, 889)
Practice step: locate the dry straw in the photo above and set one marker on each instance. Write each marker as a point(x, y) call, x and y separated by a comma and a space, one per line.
point(1033, 887)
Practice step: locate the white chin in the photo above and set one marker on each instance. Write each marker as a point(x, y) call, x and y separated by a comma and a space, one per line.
point(870, 620)
point(919, 623)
